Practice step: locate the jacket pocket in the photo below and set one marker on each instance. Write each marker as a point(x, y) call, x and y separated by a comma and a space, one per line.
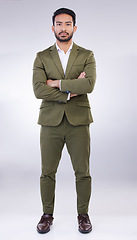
point(83, 104)
point(46, 104)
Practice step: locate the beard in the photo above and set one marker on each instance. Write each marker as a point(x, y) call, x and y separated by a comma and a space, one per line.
point(65, 39)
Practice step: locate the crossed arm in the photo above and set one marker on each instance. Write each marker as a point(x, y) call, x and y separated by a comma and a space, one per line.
point(56, 83)
point(48, 89)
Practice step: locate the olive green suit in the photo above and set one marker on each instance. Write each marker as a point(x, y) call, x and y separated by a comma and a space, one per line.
point(65, 122)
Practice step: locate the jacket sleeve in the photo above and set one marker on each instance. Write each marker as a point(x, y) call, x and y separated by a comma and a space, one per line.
point(41, 90)
point(82, 85)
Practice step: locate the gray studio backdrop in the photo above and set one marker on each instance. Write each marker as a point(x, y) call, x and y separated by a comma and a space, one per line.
point(109, 29)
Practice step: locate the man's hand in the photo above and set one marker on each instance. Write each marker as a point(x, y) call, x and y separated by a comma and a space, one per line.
point(82, 75)
point(73, 95)
point(53, 83)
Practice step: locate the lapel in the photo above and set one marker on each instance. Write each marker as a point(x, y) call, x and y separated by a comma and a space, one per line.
point(56, 59)
point(72, 57)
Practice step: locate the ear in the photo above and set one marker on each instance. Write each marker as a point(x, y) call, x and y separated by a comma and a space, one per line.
point(74, 29)
point(52, 28)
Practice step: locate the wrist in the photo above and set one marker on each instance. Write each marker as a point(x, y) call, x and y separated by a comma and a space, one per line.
point(57, 83)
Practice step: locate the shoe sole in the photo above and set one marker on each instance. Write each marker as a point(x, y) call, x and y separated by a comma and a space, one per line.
point(42, 232)
point(85, 231)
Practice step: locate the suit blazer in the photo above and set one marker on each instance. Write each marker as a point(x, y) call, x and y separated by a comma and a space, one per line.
point(47, 65)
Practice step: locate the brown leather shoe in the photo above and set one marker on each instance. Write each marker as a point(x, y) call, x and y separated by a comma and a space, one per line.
point(85, 225)
point(45, 223)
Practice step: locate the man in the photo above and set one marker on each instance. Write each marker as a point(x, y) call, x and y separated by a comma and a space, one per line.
point(63, 74)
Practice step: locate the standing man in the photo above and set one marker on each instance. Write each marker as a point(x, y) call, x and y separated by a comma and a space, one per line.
point(63, 74)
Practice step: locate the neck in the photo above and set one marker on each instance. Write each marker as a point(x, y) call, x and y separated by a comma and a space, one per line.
point(64, 45)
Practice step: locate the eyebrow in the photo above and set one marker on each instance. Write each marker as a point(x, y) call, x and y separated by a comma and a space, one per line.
point(65, 22)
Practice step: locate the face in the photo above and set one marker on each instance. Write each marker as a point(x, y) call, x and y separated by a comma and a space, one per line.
point(63, 27)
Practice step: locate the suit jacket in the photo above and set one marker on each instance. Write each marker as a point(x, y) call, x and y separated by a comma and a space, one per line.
point(47, 65)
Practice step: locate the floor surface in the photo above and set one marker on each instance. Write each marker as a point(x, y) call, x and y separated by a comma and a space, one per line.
point(113, 213)
point(65, 228)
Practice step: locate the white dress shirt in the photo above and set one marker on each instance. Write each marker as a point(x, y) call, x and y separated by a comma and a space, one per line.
point(64, 60)
point(64, 56)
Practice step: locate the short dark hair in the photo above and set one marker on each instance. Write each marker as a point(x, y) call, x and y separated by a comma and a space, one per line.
point(66, 11)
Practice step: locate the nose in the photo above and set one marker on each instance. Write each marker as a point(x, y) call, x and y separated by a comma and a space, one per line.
point(63, 27)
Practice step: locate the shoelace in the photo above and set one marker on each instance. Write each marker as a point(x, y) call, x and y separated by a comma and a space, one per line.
point(84, 218)
point(43, 219)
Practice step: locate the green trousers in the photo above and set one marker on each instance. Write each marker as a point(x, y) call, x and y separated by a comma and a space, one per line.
point(77, 140)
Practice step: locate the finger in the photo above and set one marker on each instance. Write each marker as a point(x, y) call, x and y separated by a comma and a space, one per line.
point(83, 73)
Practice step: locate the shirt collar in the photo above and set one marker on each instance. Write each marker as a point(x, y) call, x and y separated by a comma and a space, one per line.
point(70, 48)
